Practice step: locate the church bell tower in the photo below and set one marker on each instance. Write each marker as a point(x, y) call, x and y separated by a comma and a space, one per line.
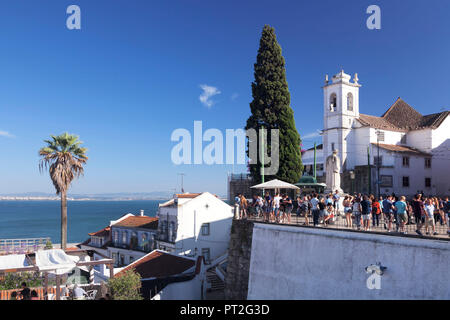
point(341, 108)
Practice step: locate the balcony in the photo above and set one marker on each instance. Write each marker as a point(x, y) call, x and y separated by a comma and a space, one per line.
point(126, 246)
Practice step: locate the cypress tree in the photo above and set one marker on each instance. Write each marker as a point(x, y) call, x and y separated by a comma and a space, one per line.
point(271, 109)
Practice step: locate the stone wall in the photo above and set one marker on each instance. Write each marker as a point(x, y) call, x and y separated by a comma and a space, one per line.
point(238, 266)
point(295, 263)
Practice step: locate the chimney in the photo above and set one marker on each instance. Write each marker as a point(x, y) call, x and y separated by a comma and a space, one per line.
point(142, 213)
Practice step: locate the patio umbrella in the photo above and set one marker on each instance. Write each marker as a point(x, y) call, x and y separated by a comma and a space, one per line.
point(276, 185)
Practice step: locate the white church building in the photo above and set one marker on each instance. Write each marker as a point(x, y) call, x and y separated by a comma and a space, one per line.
point(408, 152)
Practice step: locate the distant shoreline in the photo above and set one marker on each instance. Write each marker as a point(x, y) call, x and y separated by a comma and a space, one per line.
point(81, 199)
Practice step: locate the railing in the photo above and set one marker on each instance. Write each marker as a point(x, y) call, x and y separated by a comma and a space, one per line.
point(339, 221)
point(6, 294)
point(126, 246)
point(239, 176)
point(17, 246)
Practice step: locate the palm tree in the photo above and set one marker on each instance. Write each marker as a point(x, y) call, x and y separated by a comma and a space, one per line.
point(64, 158)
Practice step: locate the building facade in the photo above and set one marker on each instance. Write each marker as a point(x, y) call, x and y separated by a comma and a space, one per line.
point(194, 224)
point(401, 152)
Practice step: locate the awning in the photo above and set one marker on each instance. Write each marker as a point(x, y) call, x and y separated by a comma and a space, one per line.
point(13, 261)
point(55, 261)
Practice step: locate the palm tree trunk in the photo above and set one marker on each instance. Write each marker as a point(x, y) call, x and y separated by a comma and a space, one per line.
point(63, 220)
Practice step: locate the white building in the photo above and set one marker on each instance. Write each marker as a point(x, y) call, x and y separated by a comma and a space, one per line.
point(412, 150)
point(195, 224)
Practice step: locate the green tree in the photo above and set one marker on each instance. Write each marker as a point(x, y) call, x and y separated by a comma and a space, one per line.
point(64, 157)
point(271, 109)
point(48, 245)
point(126, 286)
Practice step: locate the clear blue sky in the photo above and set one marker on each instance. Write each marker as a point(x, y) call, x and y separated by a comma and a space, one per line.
point(132, 75)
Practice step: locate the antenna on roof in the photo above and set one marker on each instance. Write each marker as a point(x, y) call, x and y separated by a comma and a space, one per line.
point(182, 175)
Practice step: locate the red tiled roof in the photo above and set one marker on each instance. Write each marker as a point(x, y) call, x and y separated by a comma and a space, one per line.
point(101, 233)
point(404, 149)
point(139, 222)
point(402, 117)
point(159, 264)
point(377, 122)
point(187, 195)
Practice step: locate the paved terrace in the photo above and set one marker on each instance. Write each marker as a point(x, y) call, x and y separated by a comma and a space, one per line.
point(339, 223)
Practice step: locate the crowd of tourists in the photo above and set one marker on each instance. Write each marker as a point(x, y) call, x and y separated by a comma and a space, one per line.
point(358, 211)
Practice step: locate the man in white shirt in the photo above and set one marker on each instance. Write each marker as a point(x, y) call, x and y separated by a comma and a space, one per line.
point(429, 219)
point(78, 293)
point(276, 206)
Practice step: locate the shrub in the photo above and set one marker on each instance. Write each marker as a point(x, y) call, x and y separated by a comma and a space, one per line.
point(126, 286)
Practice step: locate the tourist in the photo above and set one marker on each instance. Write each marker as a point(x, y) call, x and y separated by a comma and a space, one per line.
point(281, 213)
point(376, 212)
point(299, 210)
point(25, 293)
point(400, 208)
point(243, 205)
point(65, 292)
point(78, 293)
point(276, 206)
point(446, 209)
point(237, 202)
point(34, 295)
point(322, 210)
point(366, 208)
point(336, 198)
point(429, 216)
point(418, 210)
point(306, 209)
point(267, 207)
point(387, 212)
point(347, 203)
point(357, 212)
point(315, 209)
point(288, 206)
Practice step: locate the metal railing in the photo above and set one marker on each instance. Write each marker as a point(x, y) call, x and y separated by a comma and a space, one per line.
point(18, 246)
point(339, 221)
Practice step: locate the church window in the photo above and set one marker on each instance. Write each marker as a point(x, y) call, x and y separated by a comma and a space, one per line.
point(405, 162)
point(378, 161)
point(380, 136)
point(332, 146)
point(333, 102)
point(350, 102)
point(427, 163)
point(405, 181)
point(427, 182)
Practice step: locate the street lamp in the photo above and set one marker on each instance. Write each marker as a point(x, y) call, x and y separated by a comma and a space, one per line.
point(352, 177)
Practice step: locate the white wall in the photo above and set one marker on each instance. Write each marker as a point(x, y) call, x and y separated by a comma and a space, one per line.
point(190, 217)
point(303, 263)
point(186, 290)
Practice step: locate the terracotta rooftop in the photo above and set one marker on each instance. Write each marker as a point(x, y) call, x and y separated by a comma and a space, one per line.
point(159, 264)
point(138, 222)
point(402, 117)
point(187, 195)
point(404, 149)
point(101, 233)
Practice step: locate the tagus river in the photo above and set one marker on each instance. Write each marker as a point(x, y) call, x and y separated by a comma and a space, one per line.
point(36, 219)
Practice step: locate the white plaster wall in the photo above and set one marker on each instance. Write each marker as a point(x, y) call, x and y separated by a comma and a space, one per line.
point(441, 158)
point(186, 290)
point(302, 263)
point(190, 217)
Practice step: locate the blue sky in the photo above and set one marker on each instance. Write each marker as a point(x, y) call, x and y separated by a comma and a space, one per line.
point(133, 73)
